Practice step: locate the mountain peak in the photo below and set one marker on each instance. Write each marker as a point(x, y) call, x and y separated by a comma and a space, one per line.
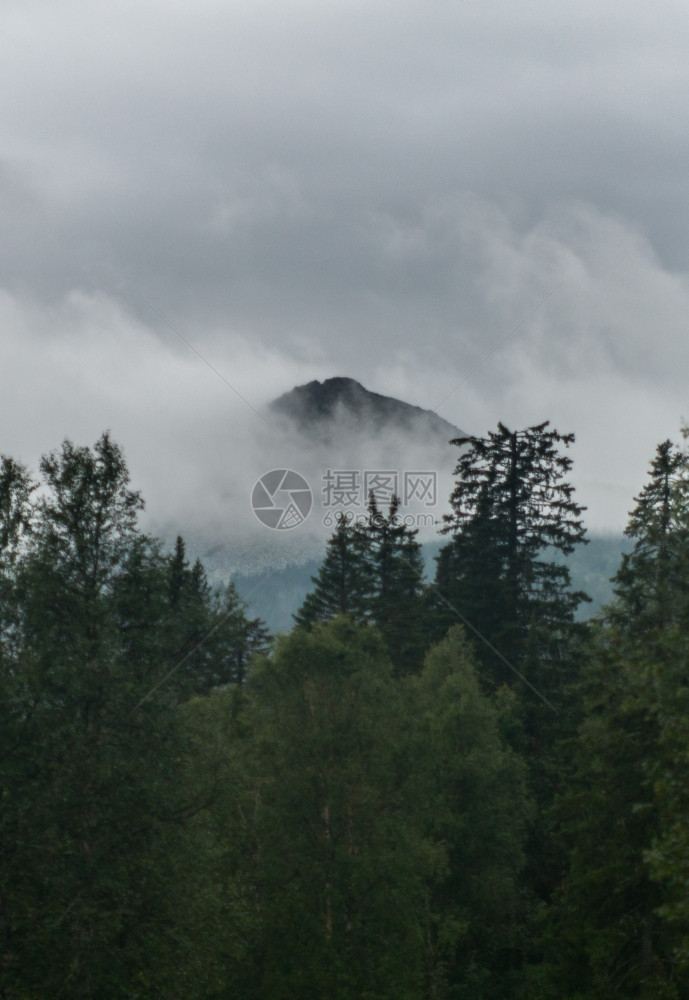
point(314, 407)
point(318, 400)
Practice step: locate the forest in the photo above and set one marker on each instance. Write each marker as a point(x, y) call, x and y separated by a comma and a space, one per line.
point(446, 789)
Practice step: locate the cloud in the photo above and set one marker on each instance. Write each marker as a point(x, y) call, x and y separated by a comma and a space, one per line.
point(195, 438)
point(588, 330)
point(573, 320)
point(475, 206)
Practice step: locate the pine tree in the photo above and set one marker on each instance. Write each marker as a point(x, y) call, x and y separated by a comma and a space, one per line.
point(373, 571)
point(91, 827)
point(513, 513)
point(652, 583)
point(396, 604)
point(624, 807)
point(652, 615)
point(343, 584)
point(233, 641)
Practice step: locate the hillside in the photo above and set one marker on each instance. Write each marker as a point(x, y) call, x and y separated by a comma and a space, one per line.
point(275, 595)
point(317, 409)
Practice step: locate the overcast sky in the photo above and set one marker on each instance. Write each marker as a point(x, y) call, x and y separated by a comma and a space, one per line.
point(480, 207)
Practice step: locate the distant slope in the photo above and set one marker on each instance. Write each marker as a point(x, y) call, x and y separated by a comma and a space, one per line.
point(341, 438)
point(317, 408)
point(275, 595)
point(338, 423)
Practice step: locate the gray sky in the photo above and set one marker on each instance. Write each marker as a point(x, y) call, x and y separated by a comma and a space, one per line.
point(381, 190)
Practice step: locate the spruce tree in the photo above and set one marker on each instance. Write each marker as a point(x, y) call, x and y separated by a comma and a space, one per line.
point(189, 597)
point(623, 811)
point(233, 641)
point(373, 571)
point(208, 632)
point(343, 584)
point(651, 616)
point(502, 574)
point(513, 517)
point(471, 799)
point(603, 935)
point(396, 604)
point(92, 829)
point(652, 583)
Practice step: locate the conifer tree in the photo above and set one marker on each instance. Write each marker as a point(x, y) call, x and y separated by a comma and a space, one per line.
point(471, 797)
point(513, 513)
point(189, 598)
point(651, 585)
point(603, 936)
point(651, 616)
point(513, 516)
point(92, 829)
point(624, 807)
point(232, 642)
point(208, 631)
point(373, 571)
point(343, 584)
point(396, 604)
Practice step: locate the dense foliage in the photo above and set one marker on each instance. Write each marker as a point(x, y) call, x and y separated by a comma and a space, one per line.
point(373, 571)
point(425, 791)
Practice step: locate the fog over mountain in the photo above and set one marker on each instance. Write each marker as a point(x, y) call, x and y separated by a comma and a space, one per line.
point(344, 440)
point(338, 427)
point(477, 208)
point(319, 409)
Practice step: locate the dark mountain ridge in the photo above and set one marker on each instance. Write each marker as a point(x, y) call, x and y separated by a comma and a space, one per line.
point(315, 407)
point(341, 413)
